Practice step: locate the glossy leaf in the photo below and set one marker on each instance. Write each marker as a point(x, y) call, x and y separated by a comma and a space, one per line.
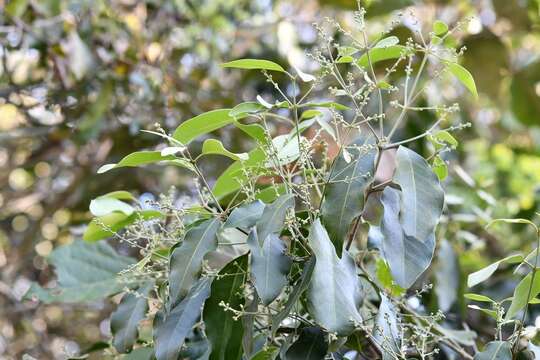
point(202, 124)
point(464, 76)
point(171, 333)
point(268, 353)
point(440, 28)
point(256, 64)
point(310, 345)
point(386, 332)
point(334, 291)
point(85, 272)
point(246, 108)
point(387, 42)
point(327, 104)
point(273, 217)
point(187, 259)
point(255, 131)
point(423, 197)
point(295, 294)
point(233, 176)
point(142, 158)
point(406, 256)
point(495, 350)
point(223, 331)
point(125, 319)
point(106, 226)
point(344, 195)
point(215, 147)
point(269, 265)
point(104, 205)
point(287, 150)
point(483, 274)
point(378, 54)
point(527, 289)
point(245, 216)
point(478, 297)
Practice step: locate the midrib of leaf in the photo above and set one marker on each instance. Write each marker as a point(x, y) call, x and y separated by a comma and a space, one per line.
point(409, 163)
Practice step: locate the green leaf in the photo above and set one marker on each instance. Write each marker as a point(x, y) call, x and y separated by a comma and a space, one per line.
point(246, 108)
point(464, 76)
point(245, 216)
point(344, 194)
point(273, 217)
point(514, 221)
point(202, 124)
point(406, 256)
point(491, 313)
point(423, 197)
point(483, 274)
point(16, 8)
point(269, 265)
point(187, 259)
point(384, 275)
point(231, 179)
point(255, 131)
point(85, 272)
point(125, 319)
point(143, 353)
point(439, 168)
point(268, 353)
point(387, 42)
point(444, 136)
point(310, 345)
point(334, 292)
point(378, 54)
point(386, 331)
point(527, 286)
point(256, 64)
point(215, 147)
point(106, 226)
point(295, 294)
point(104, 205)
point(496, 350)
point(478, 297)
point(287, 150)
point(311, 113)
point(142, 158)
point(440, 28)
point(327, 104)
point(120, 195)
point(171, 333)
point(223, 331)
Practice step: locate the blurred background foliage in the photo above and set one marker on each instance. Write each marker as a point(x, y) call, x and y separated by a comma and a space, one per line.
point(79, 79)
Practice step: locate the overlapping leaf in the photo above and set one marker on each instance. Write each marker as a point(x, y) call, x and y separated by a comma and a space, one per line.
point(334, 291)
point(387, 333)
point(344, 195)
point(172, 331)
point(273, 216)
point(187, 259)
point(269, 265)
point(423, 197)
point(407, 256)
point(125, 319)
point(223, 331)
point(310, 345)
